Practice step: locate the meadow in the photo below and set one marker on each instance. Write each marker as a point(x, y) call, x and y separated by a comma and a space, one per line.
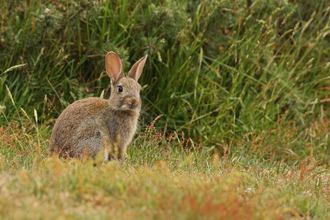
point(235, 118)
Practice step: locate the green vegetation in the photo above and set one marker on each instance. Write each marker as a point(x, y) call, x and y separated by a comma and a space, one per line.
point(163, 178)
point(242, 87)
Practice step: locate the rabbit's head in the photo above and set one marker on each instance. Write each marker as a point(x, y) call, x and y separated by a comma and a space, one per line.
point(125, 90)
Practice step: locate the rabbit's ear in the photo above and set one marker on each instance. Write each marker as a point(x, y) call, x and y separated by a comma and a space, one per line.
point(137, 68)
point(114, 67)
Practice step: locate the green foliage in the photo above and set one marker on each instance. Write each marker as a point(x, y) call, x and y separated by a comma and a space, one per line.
point(216, 69)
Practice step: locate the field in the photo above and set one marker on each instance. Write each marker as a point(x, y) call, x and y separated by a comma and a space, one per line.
point(235, 118)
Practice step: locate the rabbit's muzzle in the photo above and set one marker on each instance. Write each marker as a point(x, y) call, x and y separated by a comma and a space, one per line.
point(131, 103)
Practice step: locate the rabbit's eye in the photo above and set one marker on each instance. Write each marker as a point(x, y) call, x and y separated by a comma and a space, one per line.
point(120, 89)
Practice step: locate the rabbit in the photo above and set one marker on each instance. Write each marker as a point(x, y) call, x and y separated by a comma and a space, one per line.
point(91, 125)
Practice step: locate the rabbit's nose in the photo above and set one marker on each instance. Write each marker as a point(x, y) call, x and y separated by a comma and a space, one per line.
point(133, 102)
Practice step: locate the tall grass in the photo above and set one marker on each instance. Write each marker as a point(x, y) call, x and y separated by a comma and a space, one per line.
point(217, 69)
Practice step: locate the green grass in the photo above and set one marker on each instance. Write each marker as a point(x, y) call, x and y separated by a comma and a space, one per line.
point(242, 87)
point(163, 177)
point(216, 69)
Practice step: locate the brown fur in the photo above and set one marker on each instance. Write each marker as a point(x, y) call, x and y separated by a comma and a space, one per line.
point(87, 125)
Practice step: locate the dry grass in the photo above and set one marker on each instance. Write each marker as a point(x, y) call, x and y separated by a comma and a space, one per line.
point(165, 177)
point(72, 189)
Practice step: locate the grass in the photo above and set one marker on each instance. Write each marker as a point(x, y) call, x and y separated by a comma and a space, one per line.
point(236, 68)
point(235, 119)
point(164, 177)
